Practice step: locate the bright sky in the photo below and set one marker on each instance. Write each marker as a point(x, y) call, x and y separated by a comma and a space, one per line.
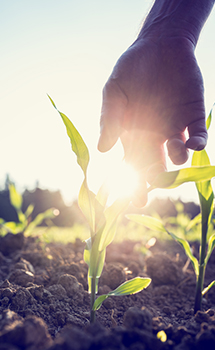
point(67, 49)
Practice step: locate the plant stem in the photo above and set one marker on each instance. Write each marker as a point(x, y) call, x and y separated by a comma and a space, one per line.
point(92, 300)
point(199, 288)
point(200, 280)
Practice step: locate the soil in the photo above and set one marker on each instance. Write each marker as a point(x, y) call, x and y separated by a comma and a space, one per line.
point(44, 303)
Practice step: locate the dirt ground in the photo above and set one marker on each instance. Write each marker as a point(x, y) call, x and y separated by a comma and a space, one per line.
point(44, 303)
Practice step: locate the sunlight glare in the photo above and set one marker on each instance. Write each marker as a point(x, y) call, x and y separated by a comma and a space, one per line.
point(122, 182)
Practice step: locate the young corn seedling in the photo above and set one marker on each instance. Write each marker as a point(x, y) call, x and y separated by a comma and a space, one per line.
point(181, 224)
point(24, 225)
point(102, 223)
point(201, 172)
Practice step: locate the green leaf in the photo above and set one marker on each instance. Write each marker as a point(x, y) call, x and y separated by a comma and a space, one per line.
point(15, 197)
point(94, 258)
point(21, 217)
point(195, 221)
point(211, 245)
point(86, 202)
point(182, 220)
point(87, 251)
point(100, 265)
point(78, 145)
point(86, 198)
point(201, 158)
point(99, 301)
point(29, 211)
point(179, 207)
point(111, 215)
point(205, 290)
point(157, 225)
point(48, 214)
point(13, 227)
point(174, 179)
point(91, 208)
point(100, 204)
point(205, 191)
point(101, 262)
point(209, 118)
point(52, 101)
point(102, 195)
point(95, 251)
point(188, 252)
point(132, 286)
point(97, 259)
point(148, 221)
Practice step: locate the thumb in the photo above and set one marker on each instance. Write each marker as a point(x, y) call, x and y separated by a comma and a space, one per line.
point(112, 115)
point(197, 135)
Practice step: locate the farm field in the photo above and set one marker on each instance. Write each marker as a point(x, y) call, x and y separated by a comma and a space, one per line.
point(44, 299)
point(144, 283)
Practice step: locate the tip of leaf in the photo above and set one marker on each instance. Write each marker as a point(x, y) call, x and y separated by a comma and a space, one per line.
point(52, 101)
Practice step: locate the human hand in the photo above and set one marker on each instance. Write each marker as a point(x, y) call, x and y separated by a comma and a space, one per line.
point(153, 95)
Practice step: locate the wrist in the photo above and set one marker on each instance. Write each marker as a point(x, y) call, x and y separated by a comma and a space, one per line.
point(176, 18)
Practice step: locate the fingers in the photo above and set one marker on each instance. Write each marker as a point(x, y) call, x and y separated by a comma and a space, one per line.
point(140, 196)
point(145, 152)
point(177, 150)
point(197, 135)
point(178, 147)
point(112, 114)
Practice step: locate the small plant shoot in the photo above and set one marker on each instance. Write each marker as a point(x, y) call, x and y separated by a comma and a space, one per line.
point(102, 221)
point(25, 224)
point(201, 172)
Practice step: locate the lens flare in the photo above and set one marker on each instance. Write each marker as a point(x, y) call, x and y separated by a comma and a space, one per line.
point(122, 181)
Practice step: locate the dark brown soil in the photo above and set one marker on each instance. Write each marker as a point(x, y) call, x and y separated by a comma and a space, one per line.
point(44, 303)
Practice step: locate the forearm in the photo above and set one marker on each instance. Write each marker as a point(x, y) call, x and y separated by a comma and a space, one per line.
point(177, 18)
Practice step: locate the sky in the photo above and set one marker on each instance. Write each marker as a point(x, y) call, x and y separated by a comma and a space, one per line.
point(68, 49)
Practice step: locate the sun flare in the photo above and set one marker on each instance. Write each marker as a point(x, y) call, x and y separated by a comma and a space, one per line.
point(122, 181)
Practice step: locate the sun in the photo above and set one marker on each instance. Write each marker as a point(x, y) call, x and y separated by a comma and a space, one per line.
point(122, 181)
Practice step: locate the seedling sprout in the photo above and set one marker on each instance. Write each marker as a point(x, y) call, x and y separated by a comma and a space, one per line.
point(102, 221)
point(201, 172)
point(25, 224)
